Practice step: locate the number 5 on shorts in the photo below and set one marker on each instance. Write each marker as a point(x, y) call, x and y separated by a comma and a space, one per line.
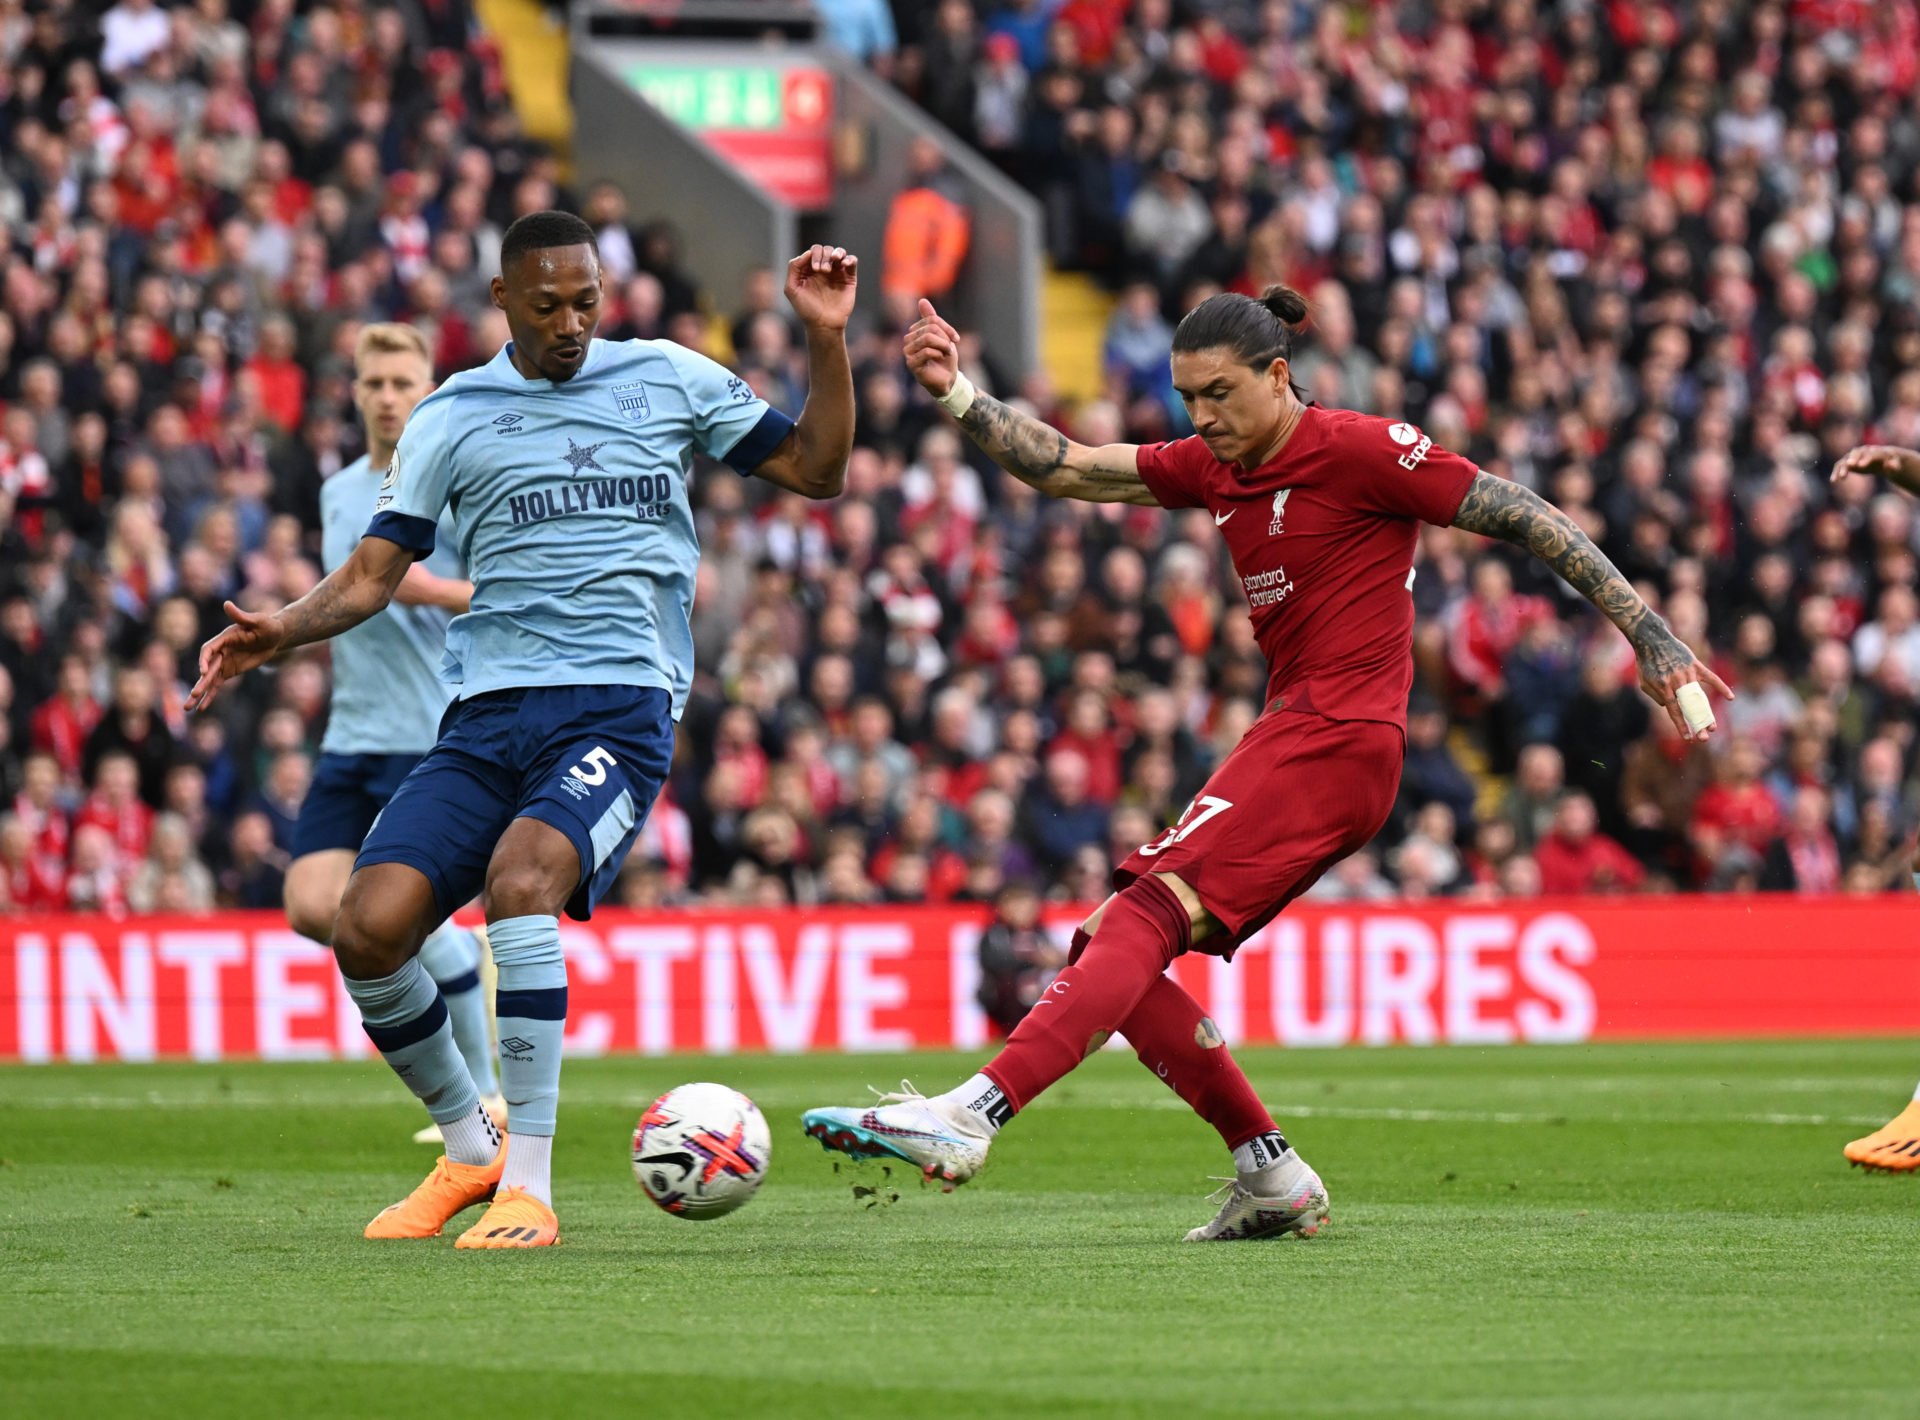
point(1189, 821)
point(594, 771)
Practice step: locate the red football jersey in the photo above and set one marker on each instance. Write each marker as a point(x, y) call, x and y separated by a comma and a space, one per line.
point(1323, 538)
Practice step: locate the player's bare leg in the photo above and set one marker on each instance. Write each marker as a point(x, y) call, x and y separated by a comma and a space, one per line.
point(534, 870)
point(316, 884)
point(387, 912)
point(1116, 981)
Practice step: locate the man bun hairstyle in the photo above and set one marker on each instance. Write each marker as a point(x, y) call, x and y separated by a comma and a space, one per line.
point(537, 231)
point(1257, 332)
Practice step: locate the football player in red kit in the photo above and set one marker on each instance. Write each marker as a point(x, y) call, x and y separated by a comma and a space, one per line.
point(1320, 509)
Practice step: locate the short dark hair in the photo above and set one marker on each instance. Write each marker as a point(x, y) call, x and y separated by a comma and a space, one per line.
point(539, 230)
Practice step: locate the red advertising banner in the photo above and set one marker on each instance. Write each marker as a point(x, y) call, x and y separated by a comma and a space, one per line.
point(240, 985)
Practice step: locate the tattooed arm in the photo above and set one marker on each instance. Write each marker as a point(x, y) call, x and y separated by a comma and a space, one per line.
point(1032, 452)
point(358, 588)
point(1048, 460)
point(1495, 507)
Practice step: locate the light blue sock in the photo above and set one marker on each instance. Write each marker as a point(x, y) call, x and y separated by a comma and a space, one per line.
point(530, 1002)
point(407, 1022)
point(452, 958)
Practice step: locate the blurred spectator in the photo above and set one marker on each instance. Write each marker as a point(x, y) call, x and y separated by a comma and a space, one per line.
point(1062, 816)
point(1736, 812)
point(172, 879)
point(1806, 857)
point(1575, 857)
point(256, 866)
point(133, 729)
point(1533, 800)
point(1018, 960)
point(927, 231)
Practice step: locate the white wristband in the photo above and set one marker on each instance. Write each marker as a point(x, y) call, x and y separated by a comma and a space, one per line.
point(958, 400)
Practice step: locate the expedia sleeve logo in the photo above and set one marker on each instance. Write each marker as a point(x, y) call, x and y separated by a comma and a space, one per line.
point(1406, 435)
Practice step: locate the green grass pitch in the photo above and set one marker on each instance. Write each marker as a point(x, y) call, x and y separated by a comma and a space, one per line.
point(1567, 1232)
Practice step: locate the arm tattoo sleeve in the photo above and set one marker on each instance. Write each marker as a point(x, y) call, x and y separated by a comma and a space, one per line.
point(336, 604)
point(1036, 454)
point(1495, 507)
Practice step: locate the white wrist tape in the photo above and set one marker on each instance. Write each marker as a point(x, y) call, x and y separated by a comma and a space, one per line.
point(1694, 708)
point(958, 400)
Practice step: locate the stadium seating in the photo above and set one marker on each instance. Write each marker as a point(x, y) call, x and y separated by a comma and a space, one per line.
point(1662, 272)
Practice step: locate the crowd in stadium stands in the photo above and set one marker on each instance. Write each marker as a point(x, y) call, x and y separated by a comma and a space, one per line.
point(1657, 259)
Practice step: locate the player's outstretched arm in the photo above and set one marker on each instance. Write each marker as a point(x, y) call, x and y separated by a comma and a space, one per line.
point(358, 588)
point(1495, 507)
point(812, 459)
point(1900, 467)
point(1032, 452)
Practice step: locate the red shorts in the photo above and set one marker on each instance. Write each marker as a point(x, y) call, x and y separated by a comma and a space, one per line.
point(1299, 793)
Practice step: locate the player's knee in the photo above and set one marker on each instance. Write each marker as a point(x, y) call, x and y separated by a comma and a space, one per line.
point(310, 918)
point(310, 910)
point(370, 941)
point(525, 890)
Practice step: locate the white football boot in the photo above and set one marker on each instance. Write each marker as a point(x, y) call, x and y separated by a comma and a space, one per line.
point(943, 1140)
point(1300, 1209)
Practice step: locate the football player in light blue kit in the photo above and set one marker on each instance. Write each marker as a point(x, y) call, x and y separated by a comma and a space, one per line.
point(564, 465)
point(388, 698)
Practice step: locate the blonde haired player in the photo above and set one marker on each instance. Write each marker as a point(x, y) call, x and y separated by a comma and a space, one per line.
point(1895, 1146)
point(387, 699)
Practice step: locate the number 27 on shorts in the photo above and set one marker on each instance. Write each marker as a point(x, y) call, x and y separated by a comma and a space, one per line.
point(1207, 807)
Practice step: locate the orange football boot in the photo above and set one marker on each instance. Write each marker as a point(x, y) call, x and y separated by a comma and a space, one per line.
point(1894, 1147)
point(450, 1188)
point(515, 1219)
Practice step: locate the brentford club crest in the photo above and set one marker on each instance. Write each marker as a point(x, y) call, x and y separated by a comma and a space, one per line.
point(1278, 525)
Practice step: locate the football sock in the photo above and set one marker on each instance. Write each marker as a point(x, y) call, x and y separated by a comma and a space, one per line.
point(471, 1139)
point(452, 958)
point(1177, 1040)
point(1275, 1179)
point(986, 1104)
point(1141, 931)
point(530, 1001)
point(407, 1022)
point(530, 1166)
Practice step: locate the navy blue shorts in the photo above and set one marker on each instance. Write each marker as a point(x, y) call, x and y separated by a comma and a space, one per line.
point(346, 796)
point(587, 759)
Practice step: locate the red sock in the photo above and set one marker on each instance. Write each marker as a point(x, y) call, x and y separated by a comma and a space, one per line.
point(1174, 1038)
point(1142, 930)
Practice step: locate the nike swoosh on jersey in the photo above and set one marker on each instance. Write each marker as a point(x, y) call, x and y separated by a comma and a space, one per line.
point(1220, 518)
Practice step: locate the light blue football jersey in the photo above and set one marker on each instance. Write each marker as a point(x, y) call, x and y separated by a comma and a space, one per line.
point(388, 696)
point(569, 505)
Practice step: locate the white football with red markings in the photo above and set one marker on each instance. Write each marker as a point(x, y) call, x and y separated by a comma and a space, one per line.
point(701, 1150)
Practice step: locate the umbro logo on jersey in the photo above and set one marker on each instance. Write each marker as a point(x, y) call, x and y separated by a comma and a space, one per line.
point(509, 424)
point(1279, 523)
